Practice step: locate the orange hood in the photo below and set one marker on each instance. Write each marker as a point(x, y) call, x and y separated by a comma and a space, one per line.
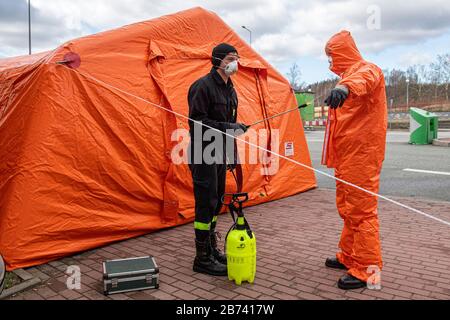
point(342, 49)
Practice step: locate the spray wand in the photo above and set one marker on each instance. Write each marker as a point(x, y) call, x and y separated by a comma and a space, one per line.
point(280, 114)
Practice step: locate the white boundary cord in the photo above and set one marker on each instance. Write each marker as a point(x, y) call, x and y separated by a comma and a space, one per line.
point(261, 148)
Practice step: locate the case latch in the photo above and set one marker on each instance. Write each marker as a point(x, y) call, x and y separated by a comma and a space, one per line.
point(149, 278)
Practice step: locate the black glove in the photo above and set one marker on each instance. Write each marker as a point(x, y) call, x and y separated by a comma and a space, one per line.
point(238, 126)
point(337, 97)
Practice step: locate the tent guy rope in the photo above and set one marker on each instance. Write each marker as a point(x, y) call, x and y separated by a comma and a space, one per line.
point(111, 87)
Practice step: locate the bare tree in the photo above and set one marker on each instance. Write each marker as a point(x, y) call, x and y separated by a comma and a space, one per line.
point(444, 65)
point(435, 76)
point(413, 77)
point(294, 75)
point(412, 74)
point(422, 78)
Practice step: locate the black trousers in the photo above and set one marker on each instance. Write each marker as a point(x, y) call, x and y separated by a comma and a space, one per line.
point(209, 187)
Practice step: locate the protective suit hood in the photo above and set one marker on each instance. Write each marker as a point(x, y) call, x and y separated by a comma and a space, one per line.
point(342, 49)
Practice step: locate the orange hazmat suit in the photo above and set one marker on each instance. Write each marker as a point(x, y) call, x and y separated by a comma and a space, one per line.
point(355, 146)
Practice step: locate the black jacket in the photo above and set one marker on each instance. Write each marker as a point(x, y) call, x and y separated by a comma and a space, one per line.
point(214, 103)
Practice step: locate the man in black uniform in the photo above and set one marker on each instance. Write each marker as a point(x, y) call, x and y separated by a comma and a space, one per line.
point(213, 102)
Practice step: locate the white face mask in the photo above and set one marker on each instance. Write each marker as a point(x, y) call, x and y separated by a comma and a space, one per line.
point(231, 68)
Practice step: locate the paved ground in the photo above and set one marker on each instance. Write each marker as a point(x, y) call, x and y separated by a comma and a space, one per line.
point(294, 236)
point(399, 156)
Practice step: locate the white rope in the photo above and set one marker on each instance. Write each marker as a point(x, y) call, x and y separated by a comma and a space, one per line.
point(261, 148)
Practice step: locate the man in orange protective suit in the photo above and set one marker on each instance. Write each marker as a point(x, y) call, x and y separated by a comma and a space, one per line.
point(355, 145)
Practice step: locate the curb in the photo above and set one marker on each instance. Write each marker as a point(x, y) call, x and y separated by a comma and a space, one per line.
point(441, 143)
point(29, 281)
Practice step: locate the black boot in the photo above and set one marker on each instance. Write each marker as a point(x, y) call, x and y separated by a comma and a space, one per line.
point(215, 250)
point(348, 282)
point(335, 264)
point(205, 262)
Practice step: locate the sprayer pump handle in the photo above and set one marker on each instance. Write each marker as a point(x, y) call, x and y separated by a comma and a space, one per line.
point(240, 197)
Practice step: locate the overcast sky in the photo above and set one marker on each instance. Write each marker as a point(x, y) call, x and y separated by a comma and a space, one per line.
point(391, 33)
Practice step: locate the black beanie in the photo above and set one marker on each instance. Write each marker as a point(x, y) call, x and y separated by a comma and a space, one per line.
point(220, 52)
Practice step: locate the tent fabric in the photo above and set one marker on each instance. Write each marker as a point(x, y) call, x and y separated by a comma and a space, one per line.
point(85, 164)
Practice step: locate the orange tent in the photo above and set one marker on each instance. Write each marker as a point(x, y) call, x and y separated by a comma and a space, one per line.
point(86, 160)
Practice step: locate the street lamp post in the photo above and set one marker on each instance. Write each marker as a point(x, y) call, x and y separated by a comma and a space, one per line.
point(250, 31)
point(407, 94)
point(29, 27)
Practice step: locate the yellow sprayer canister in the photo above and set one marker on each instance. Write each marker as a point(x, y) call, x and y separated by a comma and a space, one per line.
point(241, 253)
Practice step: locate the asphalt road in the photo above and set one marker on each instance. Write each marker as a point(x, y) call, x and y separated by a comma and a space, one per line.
point(400, 155)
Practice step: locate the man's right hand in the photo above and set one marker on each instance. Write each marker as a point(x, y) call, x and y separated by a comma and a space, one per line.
point(239, 128)
point(337, 97)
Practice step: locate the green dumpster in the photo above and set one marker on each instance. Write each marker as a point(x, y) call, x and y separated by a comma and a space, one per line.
point(307, 113)
point(423, 126)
